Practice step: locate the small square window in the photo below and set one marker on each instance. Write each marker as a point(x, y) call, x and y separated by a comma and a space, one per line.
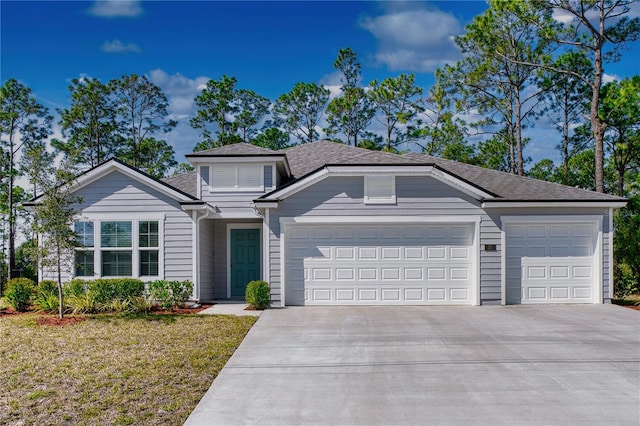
point(380, 189)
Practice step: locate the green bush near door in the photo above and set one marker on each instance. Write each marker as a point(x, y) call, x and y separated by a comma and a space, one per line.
point(258, 294)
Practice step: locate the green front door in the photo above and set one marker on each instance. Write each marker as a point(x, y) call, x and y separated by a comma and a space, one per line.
point(245, 259)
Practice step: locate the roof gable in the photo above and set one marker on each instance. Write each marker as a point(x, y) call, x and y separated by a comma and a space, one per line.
point(113, 165)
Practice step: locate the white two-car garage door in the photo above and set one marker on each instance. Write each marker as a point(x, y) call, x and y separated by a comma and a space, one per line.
point(350, 264)
point(551, 262)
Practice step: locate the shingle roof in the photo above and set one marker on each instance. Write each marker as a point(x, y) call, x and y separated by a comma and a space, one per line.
point(239, 149)
point(306, 158)
point(512, 187)
point(185, 182)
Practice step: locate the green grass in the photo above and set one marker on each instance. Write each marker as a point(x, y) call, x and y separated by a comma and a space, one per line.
point(112, 369)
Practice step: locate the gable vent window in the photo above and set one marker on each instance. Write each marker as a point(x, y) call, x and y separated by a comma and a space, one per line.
point(237, 177)
point(380, 189)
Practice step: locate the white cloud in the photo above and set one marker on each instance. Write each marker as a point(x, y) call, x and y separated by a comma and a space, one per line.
point(116, 46)
point(415, 40)
point(180, 92)
point(608, 78)
point(564, 17)
point(116, 8)
point(332, 82)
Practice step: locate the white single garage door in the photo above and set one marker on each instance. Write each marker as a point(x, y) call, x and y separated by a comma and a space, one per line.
point(379, 264)
point(550, 263)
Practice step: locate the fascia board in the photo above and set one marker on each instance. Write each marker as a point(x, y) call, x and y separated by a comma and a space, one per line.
point(101, 171)
point(552, 203)
point(333, 170)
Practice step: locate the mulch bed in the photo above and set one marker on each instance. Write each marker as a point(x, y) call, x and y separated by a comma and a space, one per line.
point(55, 320)
point(637, 308)
point(181, 310)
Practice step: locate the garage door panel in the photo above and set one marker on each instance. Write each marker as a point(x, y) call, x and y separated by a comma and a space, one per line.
point(413, 274)
point(555, 269)
point(345, 253)
point(459, 253)
point(390, 253)
point(392, 264)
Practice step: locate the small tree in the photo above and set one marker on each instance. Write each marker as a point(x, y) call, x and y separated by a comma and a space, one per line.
point(54, 222)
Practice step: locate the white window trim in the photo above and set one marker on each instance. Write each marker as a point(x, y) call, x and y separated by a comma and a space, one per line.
point(135, 219)
point(231, 226)
point(236, 188)
point(379, 200)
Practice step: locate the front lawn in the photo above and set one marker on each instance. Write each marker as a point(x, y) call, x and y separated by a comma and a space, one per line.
point(108, 369)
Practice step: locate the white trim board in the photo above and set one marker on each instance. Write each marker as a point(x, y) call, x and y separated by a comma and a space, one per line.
point(380, 219)
point(551, 204)
point(426, 171)
point(112, 166)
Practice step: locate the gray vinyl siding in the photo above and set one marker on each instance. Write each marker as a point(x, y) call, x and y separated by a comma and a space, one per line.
point(118, 193)
point(415, 196)
point(207, 260)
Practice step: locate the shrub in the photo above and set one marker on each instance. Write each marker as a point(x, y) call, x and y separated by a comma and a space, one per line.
point(119, 305)
point(258, 294)
point(626, 283)
point(48, 286)
point(142, 304)
point(46, 302)
point(46, 298)
point(19, 293)
point(109, 289)
point(159, 291)
point(85, 303)
point(181, 291)
point(75, 287)
point(170, 294)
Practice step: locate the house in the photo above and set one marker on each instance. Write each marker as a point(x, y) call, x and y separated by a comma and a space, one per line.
point(330, 224)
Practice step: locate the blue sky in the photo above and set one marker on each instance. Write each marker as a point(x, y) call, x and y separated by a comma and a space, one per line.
point(268, 46)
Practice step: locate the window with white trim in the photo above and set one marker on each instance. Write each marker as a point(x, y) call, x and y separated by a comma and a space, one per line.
point(118, 248)
point(380, 189)
point(84, 263)
point(236, 177)
point(148, 241)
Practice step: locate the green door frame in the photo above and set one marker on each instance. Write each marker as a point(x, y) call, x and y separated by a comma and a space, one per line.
point(257, 273)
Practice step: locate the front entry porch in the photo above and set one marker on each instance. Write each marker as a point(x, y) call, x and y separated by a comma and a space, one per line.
point(230, 256)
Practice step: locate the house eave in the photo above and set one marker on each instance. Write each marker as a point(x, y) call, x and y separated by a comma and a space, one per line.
point(369, 169)
point(510, 204)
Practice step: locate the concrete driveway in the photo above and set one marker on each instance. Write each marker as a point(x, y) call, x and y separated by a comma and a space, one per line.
point(432, 365)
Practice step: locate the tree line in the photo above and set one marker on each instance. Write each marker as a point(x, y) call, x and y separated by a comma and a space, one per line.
point(520, 67)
